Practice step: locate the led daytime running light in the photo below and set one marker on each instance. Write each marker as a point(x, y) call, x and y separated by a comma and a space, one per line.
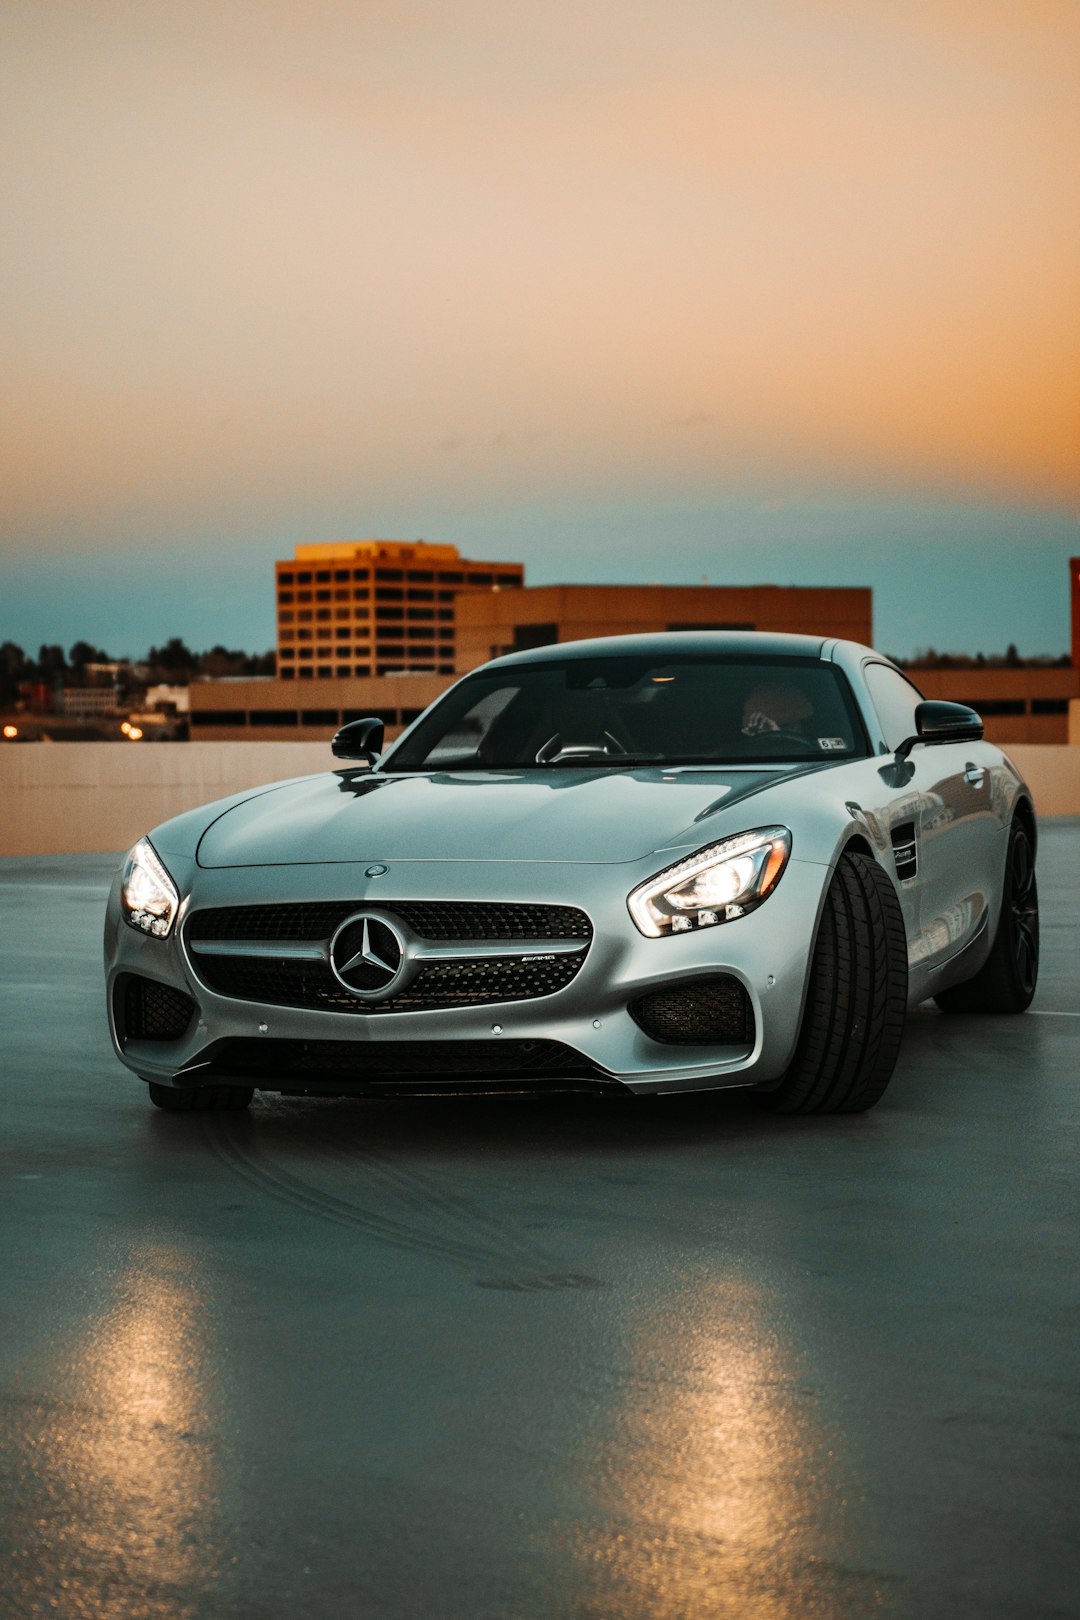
point(717, 884)
point(147, 893)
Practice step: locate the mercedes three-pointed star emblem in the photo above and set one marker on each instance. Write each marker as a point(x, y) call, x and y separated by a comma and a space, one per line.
point(368, 955)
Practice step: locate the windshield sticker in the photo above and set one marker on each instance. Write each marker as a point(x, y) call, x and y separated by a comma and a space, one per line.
point(831, 742)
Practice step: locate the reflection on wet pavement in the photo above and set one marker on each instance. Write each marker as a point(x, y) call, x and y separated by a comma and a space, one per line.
point(718, 1491)
point(118, 1474)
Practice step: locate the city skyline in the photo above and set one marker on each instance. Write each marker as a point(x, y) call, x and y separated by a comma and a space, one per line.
point(782, 293)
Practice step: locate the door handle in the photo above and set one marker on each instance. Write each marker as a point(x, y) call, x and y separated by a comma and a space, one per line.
point(975, 775)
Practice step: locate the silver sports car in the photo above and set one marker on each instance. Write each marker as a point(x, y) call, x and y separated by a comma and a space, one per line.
point(644, 863)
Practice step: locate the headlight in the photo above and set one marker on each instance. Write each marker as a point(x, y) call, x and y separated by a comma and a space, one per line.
point(716, 885)
point(147, 892)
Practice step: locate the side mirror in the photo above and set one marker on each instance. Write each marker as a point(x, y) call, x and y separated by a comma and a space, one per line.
point(360, 739)
point(942, 723)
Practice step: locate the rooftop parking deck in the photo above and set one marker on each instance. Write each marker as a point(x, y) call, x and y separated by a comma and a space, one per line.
point(571, 1356)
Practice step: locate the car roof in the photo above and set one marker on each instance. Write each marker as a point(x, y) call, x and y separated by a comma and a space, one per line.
point(760, 643)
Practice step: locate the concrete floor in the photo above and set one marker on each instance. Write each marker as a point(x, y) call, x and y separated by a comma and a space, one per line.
point(536, 1359)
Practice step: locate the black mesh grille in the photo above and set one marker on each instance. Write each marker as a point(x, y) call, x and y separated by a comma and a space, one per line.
point(152, 1011)
point(360, 1062)
point(429, 919)
point(703, 1012)
point(467, 983)
point(440, 984)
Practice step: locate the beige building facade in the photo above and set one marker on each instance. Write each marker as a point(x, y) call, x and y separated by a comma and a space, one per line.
point(363, 608)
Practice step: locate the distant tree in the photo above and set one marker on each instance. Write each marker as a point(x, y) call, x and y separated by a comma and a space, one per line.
point(174, 656)
point(13, 669)
point(51, 664)
point(84, 653)
point(262, 664)
point(1012, 657)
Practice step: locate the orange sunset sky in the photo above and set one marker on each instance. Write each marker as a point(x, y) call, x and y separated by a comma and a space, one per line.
point(782, 290)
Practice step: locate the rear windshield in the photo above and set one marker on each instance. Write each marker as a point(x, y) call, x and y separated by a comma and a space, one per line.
point(607, 713)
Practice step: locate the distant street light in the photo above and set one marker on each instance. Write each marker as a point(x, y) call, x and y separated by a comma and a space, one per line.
point(11, 732)
point(133, 733)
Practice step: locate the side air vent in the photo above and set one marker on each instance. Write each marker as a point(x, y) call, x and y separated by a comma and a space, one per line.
point(905, 850)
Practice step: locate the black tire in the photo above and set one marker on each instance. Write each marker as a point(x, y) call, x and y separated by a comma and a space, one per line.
point(1006, 981)
point(856, 998)
point(200, 1099)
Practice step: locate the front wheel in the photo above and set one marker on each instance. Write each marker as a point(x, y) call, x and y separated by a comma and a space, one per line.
point(1006, 981)
point(856, 998)
point(200, 1099)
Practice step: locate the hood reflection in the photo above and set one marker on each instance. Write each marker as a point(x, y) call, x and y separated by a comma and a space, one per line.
point(131, 1475)
point(718, 1492)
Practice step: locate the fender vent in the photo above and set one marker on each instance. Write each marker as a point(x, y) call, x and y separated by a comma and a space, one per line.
point(905, 850)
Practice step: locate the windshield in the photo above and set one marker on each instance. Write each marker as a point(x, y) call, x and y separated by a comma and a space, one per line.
point(612, 712)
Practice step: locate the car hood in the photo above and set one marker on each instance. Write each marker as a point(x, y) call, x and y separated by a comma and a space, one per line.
point(564, 815)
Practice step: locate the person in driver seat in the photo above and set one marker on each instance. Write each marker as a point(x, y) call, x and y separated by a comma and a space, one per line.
point(775, 706)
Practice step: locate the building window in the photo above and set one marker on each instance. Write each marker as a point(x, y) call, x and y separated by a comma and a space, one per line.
point(362, 669)
point(287, 674)
point(409, 715)
point(273, 717)
point(341, 596)
point(451, 579)
point(323, 576)
point(534, 635)
point(343, 669)
point(305, 674)
point(219, 717)
point(445, 652)
point(287, 618)
point(421, 596)
point(422, 632)
point(446, 669)
point(1049, 705)
point(481, 579)
point(446, 614)
point(284, 596)
point(389, 717)
point(997, 705)
point(285, 579)
point(341, 573)
point(322, 613)
point(341, 613)
point(306, 652)
point(287, 652)
point(288, 635)
point(303, 579)
point(389, 573)
point(322, 596)
point(360, 573)
point(392, 632)
point(362, 595)
point(318, 717)
point(303, 596)
point(324, 671)
point(343, 652)
point(389, 613)
point(304, 615)
point(508, 579)
point(420, 613)
point(303, 635)
point(387, 593)
point(422, 576)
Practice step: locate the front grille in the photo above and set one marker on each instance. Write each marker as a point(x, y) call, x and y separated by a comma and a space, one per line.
point(151, 1011)
point(702, 1012)
point(430, 919)
point(440, 984)
point(360, 1065)
point(469, 982)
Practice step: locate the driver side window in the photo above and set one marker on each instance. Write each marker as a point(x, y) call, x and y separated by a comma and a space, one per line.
point(895, 701)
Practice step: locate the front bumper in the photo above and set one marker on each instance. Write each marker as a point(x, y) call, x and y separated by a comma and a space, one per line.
point(768, 951)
